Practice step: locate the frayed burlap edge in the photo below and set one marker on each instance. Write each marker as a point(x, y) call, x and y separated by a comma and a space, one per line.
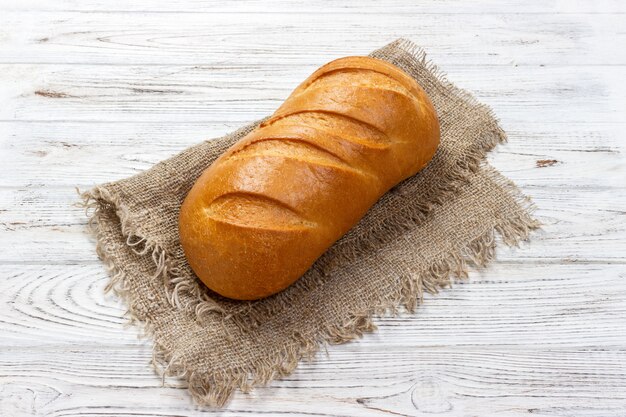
point(182, 295)
point(216, 389)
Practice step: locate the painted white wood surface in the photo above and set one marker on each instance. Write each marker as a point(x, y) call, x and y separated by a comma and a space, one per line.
point(94, 91)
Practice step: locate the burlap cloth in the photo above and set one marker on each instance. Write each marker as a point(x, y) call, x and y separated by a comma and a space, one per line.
point(425, 230)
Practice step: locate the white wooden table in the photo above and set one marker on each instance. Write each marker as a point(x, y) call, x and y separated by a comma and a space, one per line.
point(93, 91)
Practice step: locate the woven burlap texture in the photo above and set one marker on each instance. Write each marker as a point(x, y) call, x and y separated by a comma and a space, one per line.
point(419, 235)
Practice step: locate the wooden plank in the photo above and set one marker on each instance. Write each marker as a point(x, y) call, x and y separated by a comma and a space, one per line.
point(498, 344)
point(102, 152)
point(40, 225)
point(508, 305)
point(321, 7)
point(408, 382)
point(283, 38)
point(107, 140)
point(182, 94)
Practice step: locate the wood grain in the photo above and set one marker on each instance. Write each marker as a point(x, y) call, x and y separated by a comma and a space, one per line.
point(103, 152)
point(501, 336)
point(182, 94)
point(510, 304)
point(95, 91)
point(398, 7)
point(583, 224)
point(289, 38)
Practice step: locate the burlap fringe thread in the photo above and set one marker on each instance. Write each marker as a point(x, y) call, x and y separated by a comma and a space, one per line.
point(215, 390)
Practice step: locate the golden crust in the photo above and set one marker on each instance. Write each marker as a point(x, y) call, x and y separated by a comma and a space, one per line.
point(265, 210)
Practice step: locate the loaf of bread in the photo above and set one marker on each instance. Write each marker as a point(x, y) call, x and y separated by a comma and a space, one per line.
point(264, 211)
